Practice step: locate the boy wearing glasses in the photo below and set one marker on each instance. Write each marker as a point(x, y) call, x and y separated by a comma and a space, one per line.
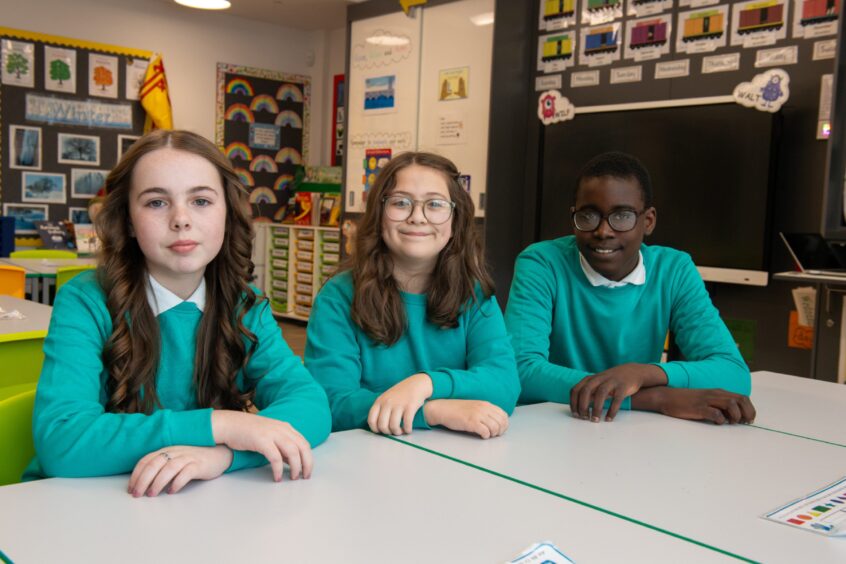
point(588, 314)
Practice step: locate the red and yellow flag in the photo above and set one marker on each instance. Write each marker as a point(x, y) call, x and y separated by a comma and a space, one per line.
point(155, 98)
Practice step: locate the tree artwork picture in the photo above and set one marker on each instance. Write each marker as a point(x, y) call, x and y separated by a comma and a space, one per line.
point(17, 63)
point(103, 77)
point(59, 70)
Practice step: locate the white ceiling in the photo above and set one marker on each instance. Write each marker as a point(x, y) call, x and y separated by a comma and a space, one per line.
point(299, 14)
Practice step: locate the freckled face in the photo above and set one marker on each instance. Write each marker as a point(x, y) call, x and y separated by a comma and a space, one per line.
point(178, 212)
point(613, 254)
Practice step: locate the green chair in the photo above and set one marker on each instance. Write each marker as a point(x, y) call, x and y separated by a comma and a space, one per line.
point(43, 254)
point(16, 447)
point(8, 391)
point(65, 273)
point(21, 357)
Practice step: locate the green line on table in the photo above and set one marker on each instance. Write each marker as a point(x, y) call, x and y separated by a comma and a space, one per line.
point(573, 500)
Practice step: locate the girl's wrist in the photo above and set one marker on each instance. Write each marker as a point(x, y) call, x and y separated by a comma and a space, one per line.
point(221, 422)
point(425, 384)
point(431, 413)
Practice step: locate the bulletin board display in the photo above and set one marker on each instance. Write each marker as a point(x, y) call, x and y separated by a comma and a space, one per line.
point(68, 110)
point(262, 127)
point(383, 98)
point(607, 52)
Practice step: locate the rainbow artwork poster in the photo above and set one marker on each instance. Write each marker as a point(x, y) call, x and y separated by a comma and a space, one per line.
point(822, 511)
point(262, 126)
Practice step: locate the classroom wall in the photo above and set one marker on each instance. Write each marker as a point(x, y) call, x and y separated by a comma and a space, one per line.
point(333, 63)
point(192, 43)
point(515, 169)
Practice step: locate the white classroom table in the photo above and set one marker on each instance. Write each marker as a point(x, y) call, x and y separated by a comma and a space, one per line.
point(37, 317)
point(705, 482)
point(809, 408)
point(41, 270)
point(370, 500)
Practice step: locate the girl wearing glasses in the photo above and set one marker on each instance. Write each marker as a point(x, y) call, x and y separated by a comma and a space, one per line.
point(410, 336)
point(589, 313)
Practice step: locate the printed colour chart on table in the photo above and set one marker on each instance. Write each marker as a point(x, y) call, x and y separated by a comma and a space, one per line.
point(823, 511)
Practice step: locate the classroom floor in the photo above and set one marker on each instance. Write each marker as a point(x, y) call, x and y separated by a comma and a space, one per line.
point(295, 334)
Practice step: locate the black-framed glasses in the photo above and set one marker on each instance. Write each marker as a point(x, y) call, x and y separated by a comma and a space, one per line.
point(400, 208)
point(620, 220)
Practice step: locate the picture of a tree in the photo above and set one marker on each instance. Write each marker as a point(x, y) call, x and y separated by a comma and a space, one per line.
point(59, 70)
point(103, 77)
point(445, 89)
point(79, 149)
point(17, 63)
point(462, 88)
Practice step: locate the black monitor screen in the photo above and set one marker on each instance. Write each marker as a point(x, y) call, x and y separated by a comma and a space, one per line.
point(710, 169)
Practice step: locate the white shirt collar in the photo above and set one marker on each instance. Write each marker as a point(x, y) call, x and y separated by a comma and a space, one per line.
point(636, 277)
point(161, 299)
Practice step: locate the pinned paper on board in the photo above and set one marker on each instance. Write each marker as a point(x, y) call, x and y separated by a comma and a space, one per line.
point(557, 14)
point(601, 11)
point(454, 84)
point(759, 23)
point(815, 18)
point(647, 7)
point(374, 161)
point(702, 30)
point(805, 300)
point(648, 38)
point(600, 44)
point(766, 92)
point(60, 69)
point(553, 107)
point(799, 336)
point(556, 51)
point(18, 61)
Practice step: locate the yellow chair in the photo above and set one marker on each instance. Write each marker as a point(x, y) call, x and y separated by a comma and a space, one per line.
point(43, 254)
point(16, 446)
point(13, 281)
point(65, 273)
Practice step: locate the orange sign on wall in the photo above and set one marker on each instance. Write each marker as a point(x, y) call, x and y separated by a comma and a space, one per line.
point(799, 336)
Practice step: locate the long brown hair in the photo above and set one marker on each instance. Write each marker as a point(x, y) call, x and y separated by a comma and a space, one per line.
point(132, 352)
point(377, 306)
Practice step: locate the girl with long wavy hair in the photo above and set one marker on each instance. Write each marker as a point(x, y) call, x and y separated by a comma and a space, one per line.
point(410, 335)
point(157, 362)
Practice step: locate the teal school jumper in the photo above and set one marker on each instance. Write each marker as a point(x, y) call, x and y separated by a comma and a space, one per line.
point(471, 361)
point(75, 436)
point(564, 329)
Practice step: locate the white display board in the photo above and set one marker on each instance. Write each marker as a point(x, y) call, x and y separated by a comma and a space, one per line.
point(420, 83)
point(384, 57)
point(457, 51)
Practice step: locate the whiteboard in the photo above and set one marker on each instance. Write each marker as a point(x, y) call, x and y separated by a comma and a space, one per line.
point(457, 127)
point(444, 46)
point(379, 125)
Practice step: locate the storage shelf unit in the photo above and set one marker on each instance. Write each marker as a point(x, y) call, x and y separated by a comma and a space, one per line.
point(300, 258)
